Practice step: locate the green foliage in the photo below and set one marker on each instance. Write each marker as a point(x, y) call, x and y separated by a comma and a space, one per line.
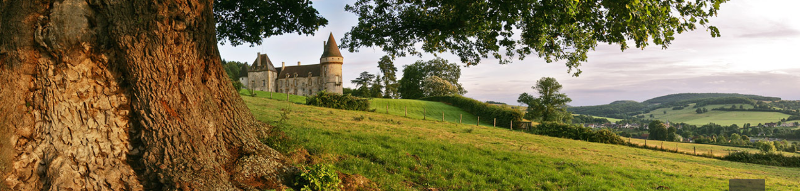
point(410, 86)
point(386, 65)
point(319, 177)
point(435, 86)
point(553, 30)
point(768, 158)
point(551, 105)
point(337, 101)
point(238, 85)
point(363, 83)
point(657, 130)
point(576, 132)
point(589, 119)
point(486, 111)
point(250, 21)
point(766, 146)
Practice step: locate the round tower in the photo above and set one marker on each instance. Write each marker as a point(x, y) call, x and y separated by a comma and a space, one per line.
point(331, 63)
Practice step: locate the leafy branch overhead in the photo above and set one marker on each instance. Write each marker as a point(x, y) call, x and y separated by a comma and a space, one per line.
point(249, 21)
point(504, 29)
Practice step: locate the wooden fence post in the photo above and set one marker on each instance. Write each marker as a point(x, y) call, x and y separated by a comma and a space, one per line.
point(494, 124)
point(460, 116)
point(512, 125)
point(387, 108)
point(479, 121)
point(406, 110)
point(423, 113)
point(442, 116)
point(645, 142)
point(695, 150)
point(287, 96)
point(270, 95)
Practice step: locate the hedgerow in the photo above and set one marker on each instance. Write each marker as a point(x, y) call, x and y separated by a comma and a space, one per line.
point(485, 111)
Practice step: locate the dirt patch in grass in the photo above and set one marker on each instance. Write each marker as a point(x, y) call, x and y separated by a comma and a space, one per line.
point(356, 182)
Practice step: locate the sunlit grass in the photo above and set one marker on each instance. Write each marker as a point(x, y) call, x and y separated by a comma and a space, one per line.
point(400, 153)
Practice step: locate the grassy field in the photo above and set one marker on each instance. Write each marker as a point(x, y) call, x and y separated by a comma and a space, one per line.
point(689, 116)
point(415, 108)
point(433, 111)
point(717, 150)
point(274, 95)
point(399, 153)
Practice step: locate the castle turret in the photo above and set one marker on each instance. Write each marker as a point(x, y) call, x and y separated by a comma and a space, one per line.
point(331, 61)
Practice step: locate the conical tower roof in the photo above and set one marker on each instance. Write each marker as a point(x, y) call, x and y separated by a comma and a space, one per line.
point(331, 50)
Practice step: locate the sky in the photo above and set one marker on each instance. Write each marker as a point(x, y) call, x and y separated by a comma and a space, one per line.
point(758, 53)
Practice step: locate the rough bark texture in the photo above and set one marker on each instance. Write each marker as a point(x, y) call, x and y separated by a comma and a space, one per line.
point(123, 95)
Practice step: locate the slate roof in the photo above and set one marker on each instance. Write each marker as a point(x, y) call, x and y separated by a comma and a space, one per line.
point(243, 71)
point(331, 50)
point(265, 64)
point(302, 71)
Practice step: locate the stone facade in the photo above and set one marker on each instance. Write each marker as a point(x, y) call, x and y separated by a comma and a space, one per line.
point(302, 80)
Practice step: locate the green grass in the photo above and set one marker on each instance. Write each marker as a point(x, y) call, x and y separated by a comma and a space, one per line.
point(433, 111)
point(400, 153)
point(274, 95)
point(689, 116)
point(717, 150)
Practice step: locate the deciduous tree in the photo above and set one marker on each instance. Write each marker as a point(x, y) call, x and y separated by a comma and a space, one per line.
point(551, 105)
point(413, 75)
point(389, 76)
point(554, 30)
point(436, 86)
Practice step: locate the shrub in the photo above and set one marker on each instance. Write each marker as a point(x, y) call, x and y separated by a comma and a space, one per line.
point(319, 177)
point(774, 159)
point(337, 101)
point(766, 146)
point(554, 129)
point(484, 110)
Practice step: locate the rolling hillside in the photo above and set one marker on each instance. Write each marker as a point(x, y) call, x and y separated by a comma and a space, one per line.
point(689, 116)
point(399, 153)
point(688, 101)
point(697, 96)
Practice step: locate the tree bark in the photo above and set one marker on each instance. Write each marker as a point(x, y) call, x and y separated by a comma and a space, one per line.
point(123, 95)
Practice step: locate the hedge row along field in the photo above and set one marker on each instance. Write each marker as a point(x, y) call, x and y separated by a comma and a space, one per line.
point(504, 116)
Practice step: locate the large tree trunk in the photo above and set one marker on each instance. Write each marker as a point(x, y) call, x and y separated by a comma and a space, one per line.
point(123, 95)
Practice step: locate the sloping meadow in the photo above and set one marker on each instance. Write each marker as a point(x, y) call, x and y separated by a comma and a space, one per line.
point(399, 153)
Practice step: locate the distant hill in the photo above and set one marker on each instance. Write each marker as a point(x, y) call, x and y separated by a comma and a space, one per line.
point(626, 108)
point(696, 96)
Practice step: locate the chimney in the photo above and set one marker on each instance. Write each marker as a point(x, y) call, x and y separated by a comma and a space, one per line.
point(258, 59)
point(283, 64)
point(298, 63)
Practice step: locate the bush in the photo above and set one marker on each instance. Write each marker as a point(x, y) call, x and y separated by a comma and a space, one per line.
point(766, 146)
point(238, 85)
point(319, 177)
point(484, 110)
point(774, 159)
point(554, 129)
point(337, 101)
